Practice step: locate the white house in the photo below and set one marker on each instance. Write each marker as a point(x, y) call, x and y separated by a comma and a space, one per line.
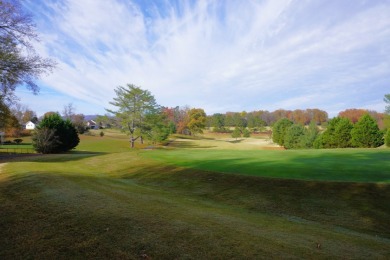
point(92, 124)
point(30, 125)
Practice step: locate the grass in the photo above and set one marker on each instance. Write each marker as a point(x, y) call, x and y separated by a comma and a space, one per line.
point(104, 201)
point(355, 165)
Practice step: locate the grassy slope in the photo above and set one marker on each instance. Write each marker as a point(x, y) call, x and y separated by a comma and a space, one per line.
point(104, 201)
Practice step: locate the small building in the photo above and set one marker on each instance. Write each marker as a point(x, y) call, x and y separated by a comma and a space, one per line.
point(91, 124)
point(30, 125)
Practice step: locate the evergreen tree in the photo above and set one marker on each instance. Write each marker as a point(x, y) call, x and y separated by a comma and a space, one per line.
point(311, 135)
point(294, 138)
point(337, 134)
point(366, 133)
point(61, 138)
point(279, 130)
point(387, 138)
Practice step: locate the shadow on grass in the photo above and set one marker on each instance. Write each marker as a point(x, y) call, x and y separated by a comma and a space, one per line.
point(186, 144)
point(237, 141)
point(50, 158)
point(355, 206)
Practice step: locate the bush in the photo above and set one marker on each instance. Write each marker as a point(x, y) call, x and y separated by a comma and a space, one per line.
point(366, 133)
point(45, 141)
point(101, 134)
point(18, 141)
point(387, 138)
point(61, 137)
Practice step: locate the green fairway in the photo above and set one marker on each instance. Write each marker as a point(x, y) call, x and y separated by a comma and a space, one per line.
point(105, 201)
point(362, 165)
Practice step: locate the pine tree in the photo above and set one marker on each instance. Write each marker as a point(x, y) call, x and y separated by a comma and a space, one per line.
point(366, 133)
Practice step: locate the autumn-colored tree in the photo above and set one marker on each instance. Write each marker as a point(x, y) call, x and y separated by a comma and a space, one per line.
point(197, 120)
point(353, 114)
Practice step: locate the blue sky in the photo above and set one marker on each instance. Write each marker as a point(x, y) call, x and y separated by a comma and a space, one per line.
point(217, 55)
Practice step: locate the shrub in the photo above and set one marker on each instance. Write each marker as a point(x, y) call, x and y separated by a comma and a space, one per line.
point(101, 134)
point(366, 133)
point(18, 140)
point(61, 138)
point(45, 141)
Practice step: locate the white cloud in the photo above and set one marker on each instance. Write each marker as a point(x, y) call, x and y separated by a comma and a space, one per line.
point(219, 55)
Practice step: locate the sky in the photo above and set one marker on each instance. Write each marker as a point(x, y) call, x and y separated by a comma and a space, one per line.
point(221, 56)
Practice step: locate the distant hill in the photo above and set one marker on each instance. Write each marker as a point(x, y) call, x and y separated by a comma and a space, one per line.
point(90, 117)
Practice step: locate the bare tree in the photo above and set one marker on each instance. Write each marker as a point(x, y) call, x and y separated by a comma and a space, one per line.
point(19, 63)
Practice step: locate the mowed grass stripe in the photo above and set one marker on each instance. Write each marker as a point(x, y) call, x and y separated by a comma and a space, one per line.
point(354, 165)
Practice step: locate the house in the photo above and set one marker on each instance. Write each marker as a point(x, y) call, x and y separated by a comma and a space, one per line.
point(30, 125)
point(91, 124)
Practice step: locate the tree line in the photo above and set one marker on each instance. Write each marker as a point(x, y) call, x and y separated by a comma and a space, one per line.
point(340, 132)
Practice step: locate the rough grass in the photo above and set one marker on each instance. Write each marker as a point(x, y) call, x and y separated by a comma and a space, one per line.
point(104, 201)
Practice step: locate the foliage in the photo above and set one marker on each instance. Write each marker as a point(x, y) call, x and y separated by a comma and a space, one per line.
point(101, 133)
point(311, 134)
point(294, 137)
point(197, 120)
point(279, 130)
point(337, 134)
point(387, 138)
point(19, 64)
point(236, 133)
point(63, 138)
point(366, 133)
point(156, 127)
point(45, 140)
point(387, 100)
point(133, 105)
point(246, 133)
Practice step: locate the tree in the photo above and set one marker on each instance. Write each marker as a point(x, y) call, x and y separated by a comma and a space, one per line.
point(68, 111)
point(19, 64)
point(294, 137)
point(246, 133)
point(311, 134)
point(387, 138)
point(236, 133)
point(63, 138)
point(197, 122)
point(337, 133)
point(279, 130)
point(387, 100)
point(133, 105)
point(366, 133)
